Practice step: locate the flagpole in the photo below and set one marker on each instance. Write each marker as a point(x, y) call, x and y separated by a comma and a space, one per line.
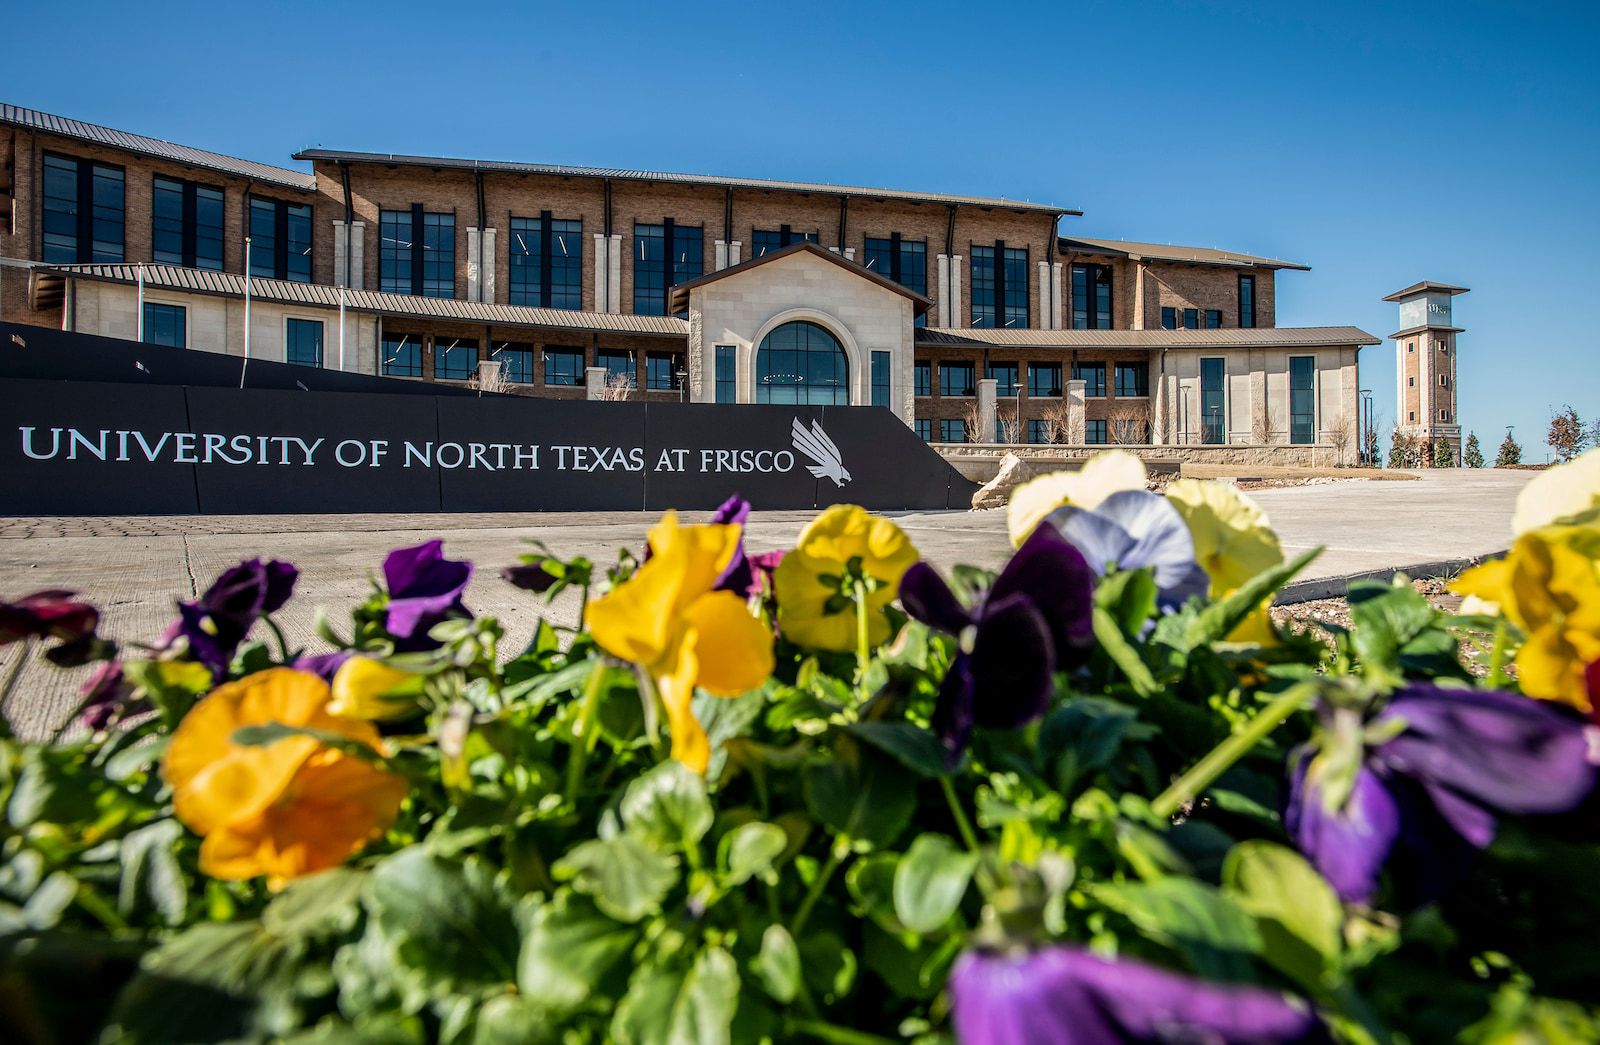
point(243, 366)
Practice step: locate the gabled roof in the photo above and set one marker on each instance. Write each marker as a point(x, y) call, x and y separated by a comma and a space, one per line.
point(1232, 337)
point(89, 132)
point(1120, 248)
point(334, 156)
point(231, 284)
point(680, 293)
point(1427, 287)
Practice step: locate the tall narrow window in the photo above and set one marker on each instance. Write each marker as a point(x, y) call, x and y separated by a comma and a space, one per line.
point(1302, 399)
point(1133, 380)
point(1091, 298)
point(1000, 287)
point(924, 429)
point(903, 261)
point(727, 384)
point(661, 371)
point(84, 207)
point(1247, 301)
point(1213, 417)
point(546, 262)
point(563, 366)
point(1191, 319)
point(1005, 378)
point(922, 379)
point(1213, 318)
point(402, 355)
point(764, 242)
point(417, 253)
point(880, 378)
point(455, 358)
point(1169, 319)
point(165, 324)
point(1093, 376)
point(663, 256)
point(186, 224)
point(304, 346)
point(280, 240)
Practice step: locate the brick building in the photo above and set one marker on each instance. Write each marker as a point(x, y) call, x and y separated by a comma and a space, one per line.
point(703, 288)
point(1425, 365)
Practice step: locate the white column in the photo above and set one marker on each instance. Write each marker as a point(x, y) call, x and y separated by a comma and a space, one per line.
point(1158, 410)
point(944, 291)
point(474, 273)
point(722, 255)
point(1075, 412)
point(594, 382)
point(1044, 295)
point(987, 387)
point(614, 270)
point(733, 252)
point(1138, 295)
point(486, 278)
point(850, 253)
point(1057, 292)
point(955, 292)
point(341, 249)
point(602, 303)
point(358, 238)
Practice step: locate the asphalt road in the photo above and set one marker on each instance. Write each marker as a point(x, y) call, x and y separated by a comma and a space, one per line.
point(135, 568)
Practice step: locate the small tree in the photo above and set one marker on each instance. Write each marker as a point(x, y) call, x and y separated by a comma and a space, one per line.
point(1472, 456)
point(1442, 457)
point(1339, 433)
point(1510, 453)
point(1566, 434)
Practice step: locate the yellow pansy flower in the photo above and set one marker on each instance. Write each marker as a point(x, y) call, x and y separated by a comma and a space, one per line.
point(1101, 476)
point(284, 809)
point(814, 609)
point(1232, 542)
point(667, 618)
point(1557, 493)
point(1548, 589)
point(362, 688)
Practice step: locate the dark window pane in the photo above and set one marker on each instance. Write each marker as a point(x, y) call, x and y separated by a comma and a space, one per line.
point(1039, 431)
point(1247, 301)
point(108, 214)
point(1213, 419)
point(1133, 379)
point(166, 221)
point(1005, 378)
point(60, 210)
point(1094, 432)
point(661, 370)
point(923, 379)
point(394, 251)
point(526, 255)
point(455, 359)
point(209, 207)
point(924, 429)
point(801, 363)
point(1169, 319)
point(263, 238)
point(649, 270)
point(725, 375)
point(299, 247)
point(914, 266)
point(1044, 379)
point(566, 265)
point(516, 362)
point(957, 379)
point(438, 255)
point(563, 366)
point(402, 355)
point(1091, 297)
point(305, 342)
point(952, 431)
point(1302, 399)
point(1015, 315)
point(983, 288)
point(880, 379)
point(164, 324)
point(1093, 376)
point(1191, 319)
point(1213, 318)
point(619, 367)
point(762, 242)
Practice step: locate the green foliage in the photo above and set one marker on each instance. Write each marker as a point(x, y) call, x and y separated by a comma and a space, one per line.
point(1472, 456)
point(1566, 435)
point(1510, 452)
point(1442, 457)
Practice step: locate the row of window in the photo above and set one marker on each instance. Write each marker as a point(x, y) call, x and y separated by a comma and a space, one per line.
point(1044, 379)
point(1302, 400)
point(1095, 432)
point(85, 220)
point(799, 362)
point(456, 359)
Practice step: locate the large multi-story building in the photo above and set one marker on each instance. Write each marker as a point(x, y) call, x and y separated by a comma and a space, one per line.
point(1425, 365)
point(702, 288)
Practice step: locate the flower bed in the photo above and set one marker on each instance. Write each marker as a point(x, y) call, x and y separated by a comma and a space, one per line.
point(832, 795)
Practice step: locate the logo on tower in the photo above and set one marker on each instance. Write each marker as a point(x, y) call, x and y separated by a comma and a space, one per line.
point(816, 445)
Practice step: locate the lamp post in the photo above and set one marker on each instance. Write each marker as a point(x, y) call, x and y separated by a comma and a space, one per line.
point(1364, 421)
point(682, 384)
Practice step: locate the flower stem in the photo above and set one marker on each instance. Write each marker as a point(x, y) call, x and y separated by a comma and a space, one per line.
point(584, 734)
point(862, 653)
point(91, 901)
point(841, 846)
point(277, 633)
point(837, 1035)
point(1225, 754)
point(1497, 654)
point(962, 824)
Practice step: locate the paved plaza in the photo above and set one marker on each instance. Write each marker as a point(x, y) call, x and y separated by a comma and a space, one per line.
point(134, 568)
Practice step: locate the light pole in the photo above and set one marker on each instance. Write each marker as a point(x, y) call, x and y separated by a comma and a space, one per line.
point(1365, 422)
point(682, 385)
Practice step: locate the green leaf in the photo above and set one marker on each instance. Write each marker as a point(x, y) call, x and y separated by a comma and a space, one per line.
point(131, 760)
point(1222, 616)
point(50, 901)
point(444, 919)
point(150, 866)
point(930, 882)
point(540, 689)
point(723, 719)
point(269, 733)
point(1206, 925)
point(1300, 919)
point(627, 878)
point(569, 947)
point(317, 905)
point(1123, 655)
point(171, 685)
point(778, 964)
point(828, 966)
point(663, 1007)
point(1385, 618)
point(870, 882)
point(907, 743)
point(667, 807)
point(512, 1019)
point(861, 794)
point(1129, 596)
point(749, 850)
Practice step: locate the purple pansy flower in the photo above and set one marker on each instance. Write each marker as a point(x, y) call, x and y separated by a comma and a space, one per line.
point(106, 692)
point(1450, 761)
point(220, 619)
point(424, 589)
point(1132, 529)
point(736, 576)
point(1063, 995)
point(323, 665)
point(47, 614)
point(1034, 620)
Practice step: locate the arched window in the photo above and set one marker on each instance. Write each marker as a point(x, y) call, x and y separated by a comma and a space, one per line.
point(802, 363)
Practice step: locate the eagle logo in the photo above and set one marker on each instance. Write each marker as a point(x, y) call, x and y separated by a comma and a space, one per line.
point(816, 445)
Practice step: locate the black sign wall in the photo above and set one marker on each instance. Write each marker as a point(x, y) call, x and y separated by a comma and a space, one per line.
point(96, 448)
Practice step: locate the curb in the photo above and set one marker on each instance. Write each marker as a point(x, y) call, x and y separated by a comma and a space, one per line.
point(1336, 587)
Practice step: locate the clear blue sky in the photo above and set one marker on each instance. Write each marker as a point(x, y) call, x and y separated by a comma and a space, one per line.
point(1381, 144)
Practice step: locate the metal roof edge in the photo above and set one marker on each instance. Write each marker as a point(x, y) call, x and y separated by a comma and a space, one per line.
point(1226, 261)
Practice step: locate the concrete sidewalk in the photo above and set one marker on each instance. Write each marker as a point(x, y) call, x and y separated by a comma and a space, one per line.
point(135, 568)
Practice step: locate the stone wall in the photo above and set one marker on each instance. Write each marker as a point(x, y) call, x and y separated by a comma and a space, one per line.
point(981, 462)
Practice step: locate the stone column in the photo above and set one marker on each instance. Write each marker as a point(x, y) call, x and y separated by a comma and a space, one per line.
point(1044, 296)
point(986, 410)
point(1075, 412)
point(1058, 293)
point(474, 270)
point(733, 252)
point(594, 380)
point(347, 249)
point(1138, 295)
point(722, 255)
point(1158, 413)
point(614, 270)
point(943, 304)
point(602, 300)
point(486, 276)
point(955, 292)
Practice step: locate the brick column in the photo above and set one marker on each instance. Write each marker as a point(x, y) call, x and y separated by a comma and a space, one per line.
point(986, 409)
point(1075, 412)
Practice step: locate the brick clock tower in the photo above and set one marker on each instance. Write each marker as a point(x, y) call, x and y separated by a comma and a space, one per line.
point(1425, 365)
